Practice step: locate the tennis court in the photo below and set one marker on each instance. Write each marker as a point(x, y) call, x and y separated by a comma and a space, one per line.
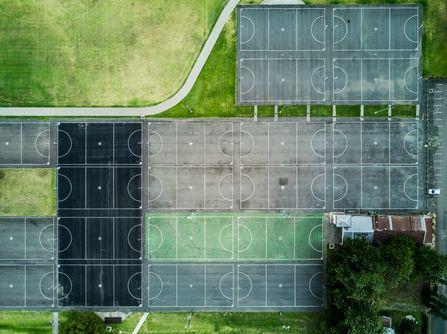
point(229, 236)
point(354, 54)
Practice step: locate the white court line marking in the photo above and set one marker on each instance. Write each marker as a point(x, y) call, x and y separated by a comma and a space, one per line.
point(220, 187)
point(241, 42)
point(140, 239)
point(244, 199)
point(40, 238)
point(251, 238)
point(310, 240)
point(345, 146)
point(220, 285)
point(310, 288)
point(312, 79)
point(405, 187)
point(36, 146)
point(312, 143)
point(333, 30)
point(405, 143)
point(128, 143)
point(389, 28)
point(232, 142)
point(43, 293)
point(361, 29)
point(405, 79)
point(128, 285)
point(249, 281)
point(405, 29)
point(220, 238)
point(312, 29)
point(71, 187)
point(346, 188)
point(161, 143)
point(128, 188)
point(161, 285)
point(339, 90)
point(161, 187)
point(240, 143)
point(161, 237)
point(71, 143)
point(253, 80)
point(312, 187)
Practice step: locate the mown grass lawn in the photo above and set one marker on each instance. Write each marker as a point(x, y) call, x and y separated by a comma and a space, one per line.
point(25, 322)
point(91, 53)
point(27, 192)
point(210, 323)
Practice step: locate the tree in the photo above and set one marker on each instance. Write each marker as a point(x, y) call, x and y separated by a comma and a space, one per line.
point(430, 266)
point(361, 318)
point(355, 272)
point(398, 256)
point(438, 305)
point(355, 282)
point(82, 323)
point(408, 326)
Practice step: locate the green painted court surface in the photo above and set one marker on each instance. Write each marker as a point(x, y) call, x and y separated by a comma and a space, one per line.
point(183, 236)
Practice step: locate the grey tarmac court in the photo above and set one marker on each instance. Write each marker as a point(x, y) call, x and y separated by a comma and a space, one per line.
point(356, 54)
point(287, 165)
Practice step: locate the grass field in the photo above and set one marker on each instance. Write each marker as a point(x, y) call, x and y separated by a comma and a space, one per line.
point(27, 192)
point(25, 322)
point(90, 53)
point(224, 323)
point(214, 93)
point(232, 236)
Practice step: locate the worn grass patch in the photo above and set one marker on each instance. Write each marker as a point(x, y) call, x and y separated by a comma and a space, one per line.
point(247, 323)
point(27, 192)
point(25, 322)
point(91, 53)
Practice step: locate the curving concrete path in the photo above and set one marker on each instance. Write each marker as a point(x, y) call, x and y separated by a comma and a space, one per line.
point(136, 111)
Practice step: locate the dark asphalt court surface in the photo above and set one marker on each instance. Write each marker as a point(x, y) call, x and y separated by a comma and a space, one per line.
point(99, 214)
point(329, 54)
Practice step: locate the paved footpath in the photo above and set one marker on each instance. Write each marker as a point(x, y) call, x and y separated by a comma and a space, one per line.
point(144, 111)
